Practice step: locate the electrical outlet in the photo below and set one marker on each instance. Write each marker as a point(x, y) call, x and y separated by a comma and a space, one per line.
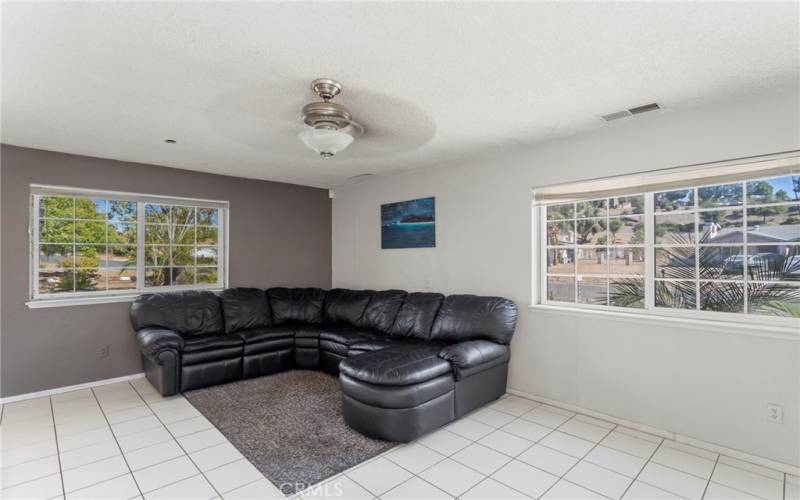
point(103, 352)
point(774, 413)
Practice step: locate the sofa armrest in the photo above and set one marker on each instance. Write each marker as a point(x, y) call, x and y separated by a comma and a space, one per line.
point(152, 341)
point(474, 356)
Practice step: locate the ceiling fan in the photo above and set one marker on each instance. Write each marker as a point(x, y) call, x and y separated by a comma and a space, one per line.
point(330, 128)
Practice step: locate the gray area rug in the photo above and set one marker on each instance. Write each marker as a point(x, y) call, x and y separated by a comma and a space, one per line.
point(289, 425)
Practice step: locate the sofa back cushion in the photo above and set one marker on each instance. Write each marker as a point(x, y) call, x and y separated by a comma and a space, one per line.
point(245, 308)
point(345, 307)
point(416, 315)
point(382, 310)
point(296, 304)
point(191, 312)
point(470, 317)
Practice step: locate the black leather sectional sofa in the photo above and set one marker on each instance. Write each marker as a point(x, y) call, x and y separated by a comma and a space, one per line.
point(407, 362)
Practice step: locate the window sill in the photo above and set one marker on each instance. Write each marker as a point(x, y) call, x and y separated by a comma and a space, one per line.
point(751, 329)
point(79, 301)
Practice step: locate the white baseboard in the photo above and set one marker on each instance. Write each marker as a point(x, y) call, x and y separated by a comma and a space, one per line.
point(69, 388)
point(699, 443)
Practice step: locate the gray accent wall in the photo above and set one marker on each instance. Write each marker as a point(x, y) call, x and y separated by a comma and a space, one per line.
point(280, 234)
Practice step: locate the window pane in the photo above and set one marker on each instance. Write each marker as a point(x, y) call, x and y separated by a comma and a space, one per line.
point(627, 230)
point(593, 208)
point(90, 232)
point(55, 257)
point(157, 256)
point(626, 205)
point(207, 275)
point(90, 279)
point(681, 199)
point(156, 234)
point(183, 215)
point(721, 226)
point(121, 257)
point(122, 211)
point(122, 279)
point(626, 292)
point(775, 223)
point(56, 206)
point(773, 262)
point(90, 255)
point(592, 261)
point(55, 281)
point(561, 288)
point(722, 263)
point(591, 231)
point(56, 231)
point(182, 275)
point(182, 256)
point(593, 291)
point(774, 299)
point(626, 260)
point(566, 211)
point(91, 208)
point(722, 195)
point(722, 297)
point(208, 216)
point(676, 294)
point(674, 229)
point(206, 255)
point(206, 235)
point(184, 235)
point(561, 233)
point(675, 262)
point(121, 232)
point(156, 276)
point(156, 214)
point(774, 190)
point(561, 261)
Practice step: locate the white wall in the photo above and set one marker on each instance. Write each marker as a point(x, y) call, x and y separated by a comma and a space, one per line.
point(701, 382)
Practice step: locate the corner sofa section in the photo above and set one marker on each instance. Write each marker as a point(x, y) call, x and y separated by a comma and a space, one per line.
point(407, 362)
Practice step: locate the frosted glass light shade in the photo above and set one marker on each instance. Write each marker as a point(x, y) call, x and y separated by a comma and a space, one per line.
point(326, 142)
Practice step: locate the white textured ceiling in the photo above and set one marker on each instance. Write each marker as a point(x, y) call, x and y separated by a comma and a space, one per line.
point(432, 82)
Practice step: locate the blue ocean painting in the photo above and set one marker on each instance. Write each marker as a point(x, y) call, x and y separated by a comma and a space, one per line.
point(409, 224)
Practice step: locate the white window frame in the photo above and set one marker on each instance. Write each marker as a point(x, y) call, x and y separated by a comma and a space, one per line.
point(539, 244)
point(37, 299)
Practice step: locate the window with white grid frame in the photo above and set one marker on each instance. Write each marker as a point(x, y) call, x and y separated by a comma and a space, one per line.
point(729, 248)
point(93, 243)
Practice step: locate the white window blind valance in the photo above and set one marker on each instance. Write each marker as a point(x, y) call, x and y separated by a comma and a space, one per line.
point(671, 178)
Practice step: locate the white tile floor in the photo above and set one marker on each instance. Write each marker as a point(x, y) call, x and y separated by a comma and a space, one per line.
point(126, 441)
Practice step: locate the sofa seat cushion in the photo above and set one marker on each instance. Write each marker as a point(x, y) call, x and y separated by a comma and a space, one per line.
point(195, 343)
point(380, 343)
point(346, 336)
point(256, 335)
point(211, 347)
point(398, 365)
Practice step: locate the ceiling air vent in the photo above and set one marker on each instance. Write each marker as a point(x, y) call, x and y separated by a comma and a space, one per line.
point(653, 106)
point(644, 109)
point(616, 116)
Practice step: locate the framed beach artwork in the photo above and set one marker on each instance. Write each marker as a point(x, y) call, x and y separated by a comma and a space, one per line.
point(409, 224)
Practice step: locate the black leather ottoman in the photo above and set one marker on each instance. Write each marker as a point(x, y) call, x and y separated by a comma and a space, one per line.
point(398, 393)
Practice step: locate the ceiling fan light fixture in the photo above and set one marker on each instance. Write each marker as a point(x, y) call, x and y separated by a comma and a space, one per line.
point(331, 128)
point(325, 141)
